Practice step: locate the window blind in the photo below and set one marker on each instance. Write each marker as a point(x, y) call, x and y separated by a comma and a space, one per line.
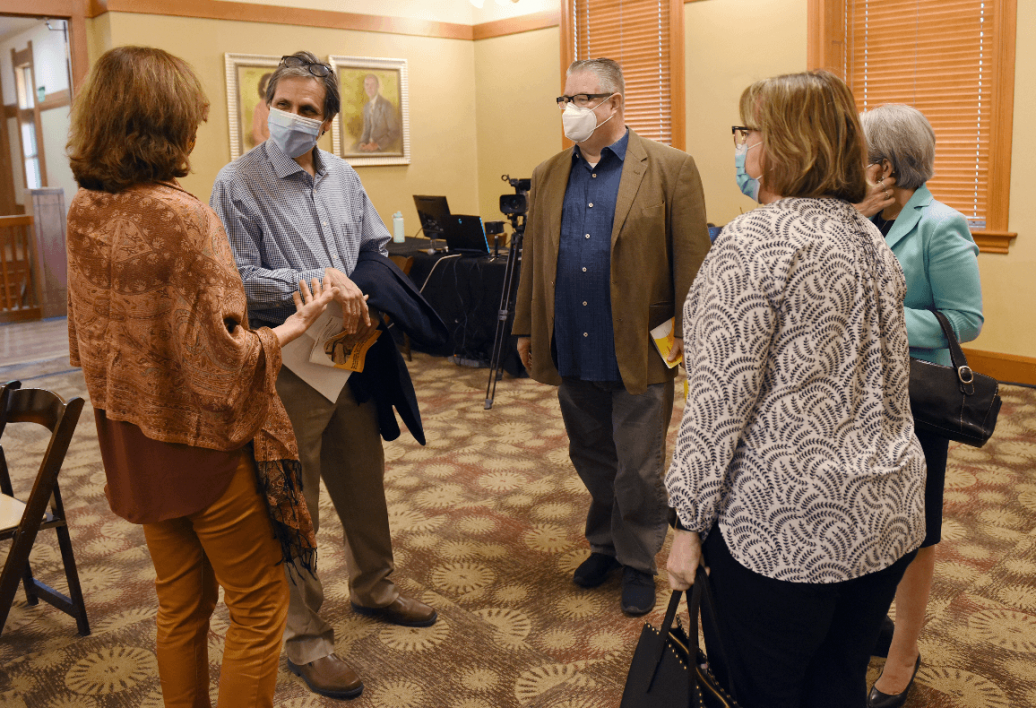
point(635, 33)
point(937, 56)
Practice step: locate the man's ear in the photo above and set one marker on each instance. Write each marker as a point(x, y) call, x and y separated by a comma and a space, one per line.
point(326, 125)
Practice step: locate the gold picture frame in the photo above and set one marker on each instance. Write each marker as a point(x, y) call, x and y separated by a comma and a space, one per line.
point(373, 126)
point(246, 75)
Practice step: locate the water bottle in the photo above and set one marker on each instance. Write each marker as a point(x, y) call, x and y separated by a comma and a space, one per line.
point(398, 235)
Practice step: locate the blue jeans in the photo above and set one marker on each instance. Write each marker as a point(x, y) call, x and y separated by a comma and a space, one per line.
point(617, 445)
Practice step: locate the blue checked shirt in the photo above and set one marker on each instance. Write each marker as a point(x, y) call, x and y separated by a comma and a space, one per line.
point(286, 226)
point(583, 330)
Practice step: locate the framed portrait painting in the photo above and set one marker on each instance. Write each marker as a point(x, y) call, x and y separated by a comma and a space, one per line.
point(247, 77)
point(373, 127)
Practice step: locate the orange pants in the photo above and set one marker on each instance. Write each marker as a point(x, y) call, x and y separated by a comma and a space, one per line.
point(228, 544)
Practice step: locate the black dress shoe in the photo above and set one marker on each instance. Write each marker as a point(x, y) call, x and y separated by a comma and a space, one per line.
point(884, 641)
point(877, 699)
point(638, 592)
point(594, 570)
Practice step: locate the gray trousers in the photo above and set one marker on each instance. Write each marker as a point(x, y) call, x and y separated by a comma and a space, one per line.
point(617, 444)
point(341, 443)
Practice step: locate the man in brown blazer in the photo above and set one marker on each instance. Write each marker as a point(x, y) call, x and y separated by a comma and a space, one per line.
point(615, 234)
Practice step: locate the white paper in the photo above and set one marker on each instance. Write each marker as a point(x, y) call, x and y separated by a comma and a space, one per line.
point(326, 379)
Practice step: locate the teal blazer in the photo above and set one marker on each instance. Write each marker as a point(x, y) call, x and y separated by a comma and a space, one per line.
point(940, 260)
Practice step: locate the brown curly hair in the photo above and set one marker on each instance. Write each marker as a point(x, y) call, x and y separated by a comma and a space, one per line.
point(135, 120)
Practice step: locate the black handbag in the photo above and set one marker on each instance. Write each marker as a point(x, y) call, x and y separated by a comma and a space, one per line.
point(953, 401)
point(666, 672)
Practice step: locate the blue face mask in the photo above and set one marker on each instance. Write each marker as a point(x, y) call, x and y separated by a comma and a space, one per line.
point(294, 135)
point(749, 186)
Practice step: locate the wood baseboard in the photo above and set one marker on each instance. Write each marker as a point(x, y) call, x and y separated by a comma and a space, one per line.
point(1003, 367)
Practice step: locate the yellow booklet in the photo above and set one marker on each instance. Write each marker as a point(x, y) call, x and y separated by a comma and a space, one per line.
point(349, 352)
point(664, 336)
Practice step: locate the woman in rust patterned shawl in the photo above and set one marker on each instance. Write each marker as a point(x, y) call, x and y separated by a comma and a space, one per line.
point(196, 444)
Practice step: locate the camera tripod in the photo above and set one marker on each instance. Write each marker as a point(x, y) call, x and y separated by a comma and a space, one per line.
point(507, 297)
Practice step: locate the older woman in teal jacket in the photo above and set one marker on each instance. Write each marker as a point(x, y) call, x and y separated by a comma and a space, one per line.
point(939, 258)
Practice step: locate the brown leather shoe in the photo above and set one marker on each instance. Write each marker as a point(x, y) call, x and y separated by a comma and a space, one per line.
point(404, 611)
point(329, 676)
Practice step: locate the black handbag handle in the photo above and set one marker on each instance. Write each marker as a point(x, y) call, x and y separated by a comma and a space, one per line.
point(965, 376)
point(701, 588)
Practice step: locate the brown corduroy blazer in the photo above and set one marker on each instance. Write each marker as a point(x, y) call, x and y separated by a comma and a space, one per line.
point(659, 239)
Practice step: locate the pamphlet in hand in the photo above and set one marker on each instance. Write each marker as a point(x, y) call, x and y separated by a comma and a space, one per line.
point(324, 357)
point(664, 337)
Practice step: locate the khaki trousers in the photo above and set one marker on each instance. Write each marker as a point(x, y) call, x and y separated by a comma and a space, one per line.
point(341, 443)
point(228, 544)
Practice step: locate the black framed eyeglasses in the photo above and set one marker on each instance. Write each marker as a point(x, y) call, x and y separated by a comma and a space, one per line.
point(581, 100)
point(317, 69)
point(740, 134)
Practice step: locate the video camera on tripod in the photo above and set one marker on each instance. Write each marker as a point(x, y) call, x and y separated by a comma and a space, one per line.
point(515, 207)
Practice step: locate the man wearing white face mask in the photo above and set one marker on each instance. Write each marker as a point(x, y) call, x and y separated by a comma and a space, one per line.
point(294, 211)
point(615, 234)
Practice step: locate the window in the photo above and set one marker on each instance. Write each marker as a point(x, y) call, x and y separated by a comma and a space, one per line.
point(646, 38)
point(954, 61)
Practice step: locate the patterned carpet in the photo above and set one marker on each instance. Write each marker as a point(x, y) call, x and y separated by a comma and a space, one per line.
point(487, 521)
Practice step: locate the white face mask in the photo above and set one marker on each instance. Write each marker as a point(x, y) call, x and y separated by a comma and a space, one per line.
point(294, 135)
point(580, 123)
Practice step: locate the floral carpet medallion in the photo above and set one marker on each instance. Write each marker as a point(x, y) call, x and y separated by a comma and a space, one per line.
point(487, 522)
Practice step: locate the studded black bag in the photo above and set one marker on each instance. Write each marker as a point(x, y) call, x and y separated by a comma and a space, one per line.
point(666, 672)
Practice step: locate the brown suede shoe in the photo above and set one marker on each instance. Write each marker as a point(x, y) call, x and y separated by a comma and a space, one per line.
point(329, 676)
point(404, 611)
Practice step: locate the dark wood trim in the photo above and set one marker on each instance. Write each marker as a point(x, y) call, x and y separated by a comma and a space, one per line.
point(1003, 367)
point(517, 25)
point(10, 110)
point(278, 15)
point(7, 201)
point(56, 100)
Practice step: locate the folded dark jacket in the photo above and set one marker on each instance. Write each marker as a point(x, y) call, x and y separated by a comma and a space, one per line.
point(385, 377)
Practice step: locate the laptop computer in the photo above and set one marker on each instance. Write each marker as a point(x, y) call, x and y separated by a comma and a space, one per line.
point(466, 235)
point(433, 213)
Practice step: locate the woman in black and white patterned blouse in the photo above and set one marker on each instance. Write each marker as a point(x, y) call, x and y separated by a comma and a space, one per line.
point(796, 460)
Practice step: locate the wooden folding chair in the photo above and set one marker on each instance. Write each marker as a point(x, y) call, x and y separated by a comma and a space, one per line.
point(22, 521)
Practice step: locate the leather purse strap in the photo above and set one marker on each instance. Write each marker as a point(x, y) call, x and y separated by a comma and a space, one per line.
point(965, 376)
point(702, 588)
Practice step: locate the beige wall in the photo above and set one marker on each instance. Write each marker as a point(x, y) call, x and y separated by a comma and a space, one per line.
point(731, 43)
point(481, 109)
point(442, 99)
point(1009, 282)
point(728, 44)
point(519, 125)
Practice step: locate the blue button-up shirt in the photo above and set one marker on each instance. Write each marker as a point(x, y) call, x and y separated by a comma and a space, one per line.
point(583, 332)
point(285, 225)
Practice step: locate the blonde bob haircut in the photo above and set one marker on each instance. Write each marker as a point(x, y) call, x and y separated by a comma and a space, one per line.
point(135, 120)
point(812, 140)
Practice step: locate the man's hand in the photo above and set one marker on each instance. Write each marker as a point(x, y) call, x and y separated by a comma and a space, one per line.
point(879, 192)
point(676, 353)
point(525, 352)
point(684, 559)
point(353, 302)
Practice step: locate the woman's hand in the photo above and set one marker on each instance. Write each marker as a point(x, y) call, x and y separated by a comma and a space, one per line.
point(309, 305)
point(879, 192)
point(684, 559)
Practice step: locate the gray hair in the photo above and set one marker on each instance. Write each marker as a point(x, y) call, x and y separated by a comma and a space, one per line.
point(903, 136)
point(332, 94)
point(607, 71)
